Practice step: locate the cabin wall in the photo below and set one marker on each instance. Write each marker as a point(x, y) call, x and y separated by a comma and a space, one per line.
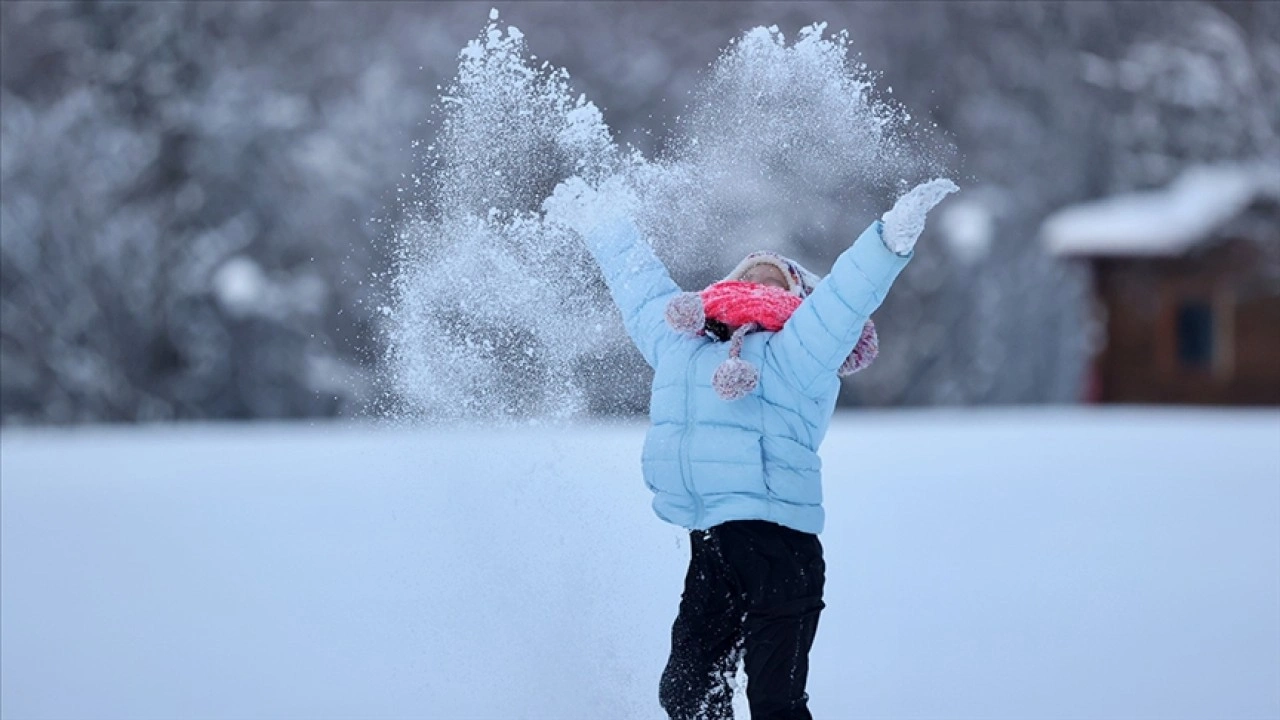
point(1202, 329)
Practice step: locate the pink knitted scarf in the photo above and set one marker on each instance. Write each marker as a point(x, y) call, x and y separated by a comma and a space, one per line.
point(741, 308)
point(736, 303)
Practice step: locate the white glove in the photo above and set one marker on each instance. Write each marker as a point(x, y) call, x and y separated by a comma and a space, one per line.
point(904, 223)
point(581, 208)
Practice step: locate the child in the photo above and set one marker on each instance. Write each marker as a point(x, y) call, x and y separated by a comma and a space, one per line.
point(746, 376)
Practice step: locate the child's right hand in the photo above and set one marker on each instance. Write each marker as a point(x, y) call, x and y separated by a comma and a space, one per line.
point(580, 207)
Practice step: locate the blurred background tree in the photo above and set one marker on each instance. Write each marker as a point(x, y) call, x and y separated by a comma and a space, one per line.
point(196, 199)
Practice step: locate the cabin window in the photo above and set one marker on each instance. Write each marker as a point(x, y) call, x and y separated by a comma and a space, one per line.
point(1195, 334)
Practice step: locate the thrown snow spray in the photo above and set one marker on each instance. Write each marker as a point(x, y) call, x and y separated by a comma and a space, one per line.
point(783, 147)
point(500, 314)
point(494, 306)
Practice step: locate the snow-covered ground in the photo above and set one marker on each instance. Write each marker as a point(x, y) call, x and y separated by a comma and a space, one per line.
point(1002, 564)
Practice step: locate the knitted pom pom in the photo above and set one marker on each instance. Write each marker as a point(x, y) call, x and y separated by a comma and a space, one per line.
point(735, 378)
point(685, 314)
point(864, 352)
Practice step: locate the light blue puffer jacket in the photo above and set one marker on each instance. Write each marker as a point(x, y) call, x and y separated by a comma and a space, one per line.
point(708, 460)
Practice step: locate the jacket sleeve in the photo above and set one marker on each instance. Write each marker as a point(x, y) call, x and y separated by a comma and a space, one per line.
point(638, 282)
point(822, 332)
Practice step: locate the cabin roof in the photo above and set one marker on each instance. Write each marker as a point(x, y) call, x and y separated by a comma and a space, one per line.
point(1165, 222)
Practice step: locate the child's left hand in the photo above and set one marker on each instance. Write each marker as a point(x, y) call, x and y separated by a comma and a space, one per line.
point(904, 223)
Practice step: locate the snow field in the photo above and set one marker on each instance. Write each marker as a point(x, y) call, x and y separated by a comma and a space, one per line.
point(995, 564)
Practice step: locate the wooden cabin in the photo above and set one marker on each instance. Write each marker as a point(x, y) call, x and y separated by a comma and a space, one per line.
point(1186, 288)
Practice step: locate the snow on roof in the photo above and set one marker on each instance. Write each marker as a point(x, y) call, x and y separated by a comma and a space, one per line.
point(1165, 222)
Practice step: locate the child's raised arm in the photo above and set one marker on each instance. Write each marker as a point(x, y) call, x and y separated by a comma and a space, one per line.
point(637, 279)
point(825, 328)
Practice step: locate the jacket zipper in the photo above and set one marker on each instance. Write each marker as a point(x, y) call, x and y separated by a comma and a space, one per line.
point(686, 466)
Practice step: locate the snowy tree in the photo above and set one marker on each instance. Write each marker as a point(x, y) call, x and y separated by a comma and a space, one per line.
point(185, 211)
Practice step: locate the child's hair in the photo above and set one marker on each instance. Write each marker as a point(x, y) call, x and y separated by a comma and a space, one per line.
point(717, 330)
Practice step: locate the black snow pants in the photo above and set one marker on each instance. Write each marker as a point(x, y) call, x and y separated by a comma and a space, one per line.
point(753, 591)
